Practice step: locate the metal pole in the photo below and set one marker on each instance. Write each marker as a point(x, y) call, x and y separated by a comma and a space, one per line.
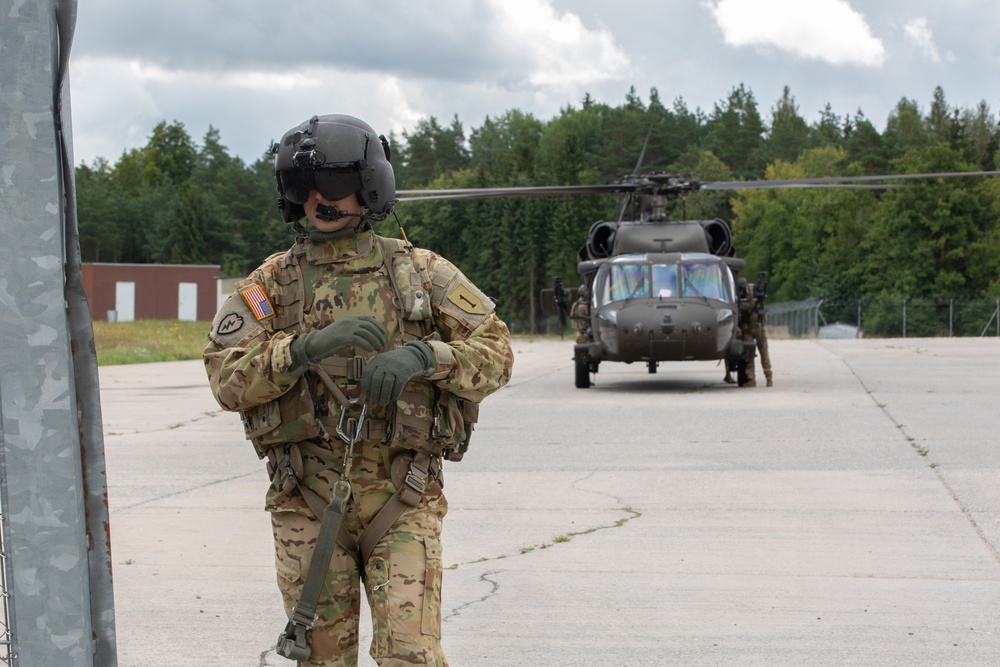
point(951, 317)
point(904, 318)
point(57, 536)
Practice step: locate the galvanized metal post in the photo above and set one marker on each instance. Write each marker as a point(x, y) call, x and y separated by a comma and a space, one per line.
point(904, 318)
point(57, 537)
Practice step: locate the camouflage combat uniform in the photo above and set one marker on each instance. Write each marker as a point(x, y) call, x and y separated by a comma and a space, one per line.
point(753, 321)
point(248, 361)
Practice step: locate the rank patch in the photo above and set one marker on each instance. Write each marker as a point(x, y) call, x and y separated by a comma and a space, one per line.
point(258, 302)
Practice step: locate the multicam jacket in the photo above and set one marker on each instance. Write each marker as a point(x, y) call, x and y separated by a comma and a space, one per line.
point(314, 283)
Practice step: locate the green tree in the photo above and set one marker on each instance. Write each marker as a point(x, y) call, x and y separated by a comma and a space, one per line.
point(431, 150)
point(827, 131)
point(807, 239)
point(99, 204)
point(905, 129)
point(864, 145)
point(934, 239)
point(735, 133)
point(172, 151)
point(788, 134)
point(979, 136)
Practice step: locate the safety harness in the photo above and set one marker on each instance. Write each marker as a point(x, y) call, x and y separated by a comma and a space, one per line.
point(410, 471)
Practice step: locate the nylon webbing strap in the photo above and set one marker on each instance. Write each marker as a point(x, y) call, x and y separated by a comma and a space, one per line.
point(293, 643)
point(411, 488)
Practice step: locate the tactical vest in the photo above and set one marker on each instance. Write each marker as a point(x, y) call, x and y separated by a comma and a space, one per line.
point(423, 418)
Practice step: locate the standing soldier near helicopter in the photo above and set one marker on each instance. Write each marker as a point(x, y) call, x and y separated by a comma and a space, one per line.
point(753, 327)
point(357, 363)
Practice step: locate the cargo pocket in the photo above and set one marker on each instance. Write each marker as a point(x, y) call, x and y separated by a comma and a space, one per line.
point(291, 555)
point(430, 621)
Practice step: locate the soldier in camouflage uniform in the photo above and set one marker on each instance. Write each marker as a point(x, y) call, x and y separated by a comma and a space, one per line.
point(753, 321)
point(356, 357)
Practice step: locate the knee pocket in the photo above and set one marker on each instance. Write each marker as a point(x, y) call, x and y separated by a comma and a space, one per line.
point(403, 580)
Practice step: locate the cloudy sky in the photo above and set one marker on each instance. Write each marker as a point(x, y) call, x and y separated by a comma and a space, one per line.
point(254, 68)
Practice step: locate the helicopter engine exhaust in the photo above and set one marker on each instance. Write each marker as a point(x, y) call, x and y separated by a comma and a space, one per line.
point(719, 237)
point(601, 239)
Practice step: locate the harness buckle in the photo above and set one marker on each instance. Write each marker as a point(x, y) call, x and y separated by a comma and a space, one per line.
point(356, 368)
point(414, 485)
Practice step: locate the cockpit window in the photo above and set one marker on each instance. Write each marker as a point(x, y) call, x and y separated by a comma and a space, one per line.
point(687, 278)
point(664, 280)
point(625, 281)
point(702, 280)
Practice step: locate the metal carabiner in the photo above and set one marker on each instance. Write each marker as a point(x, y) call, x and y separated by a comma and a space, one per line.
point(353, 438)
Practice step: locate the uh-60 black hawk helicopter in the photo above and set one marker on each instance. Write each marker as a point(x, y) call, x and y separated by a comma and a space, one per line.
point(655, 289)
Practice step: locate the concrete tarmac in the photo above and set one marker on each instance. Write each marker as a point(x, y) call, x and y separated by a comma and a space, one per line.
point(849, 515)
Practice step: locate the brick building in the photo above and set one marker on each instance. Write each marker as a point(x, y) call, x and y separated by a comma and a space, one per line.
point(126, 292)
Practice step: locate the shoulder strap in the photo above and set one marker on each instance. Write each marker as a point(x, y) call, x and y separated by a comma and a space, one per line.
point(292, 297)
point(408, 277)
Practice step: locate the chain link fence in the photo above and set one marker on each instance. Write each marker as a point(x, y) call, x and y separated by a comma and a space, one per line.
point(871, 317)
point(888, 317)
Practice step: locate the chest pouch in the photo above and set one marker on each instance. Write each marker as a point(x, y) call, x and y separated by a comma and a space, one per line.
point(433, 421)
point(289, 418)
point(416, 302)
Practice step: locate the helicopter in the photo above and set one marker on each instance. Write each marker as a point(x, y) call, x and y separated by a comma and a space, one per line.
point(654, 289)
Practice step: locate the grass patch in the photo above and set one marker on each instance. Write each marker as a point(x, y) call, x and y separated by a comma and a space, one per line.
point(144, 341)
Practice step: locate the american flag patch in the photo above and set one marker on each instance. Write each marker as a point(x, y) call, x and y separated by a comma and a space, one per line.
point(258, 302)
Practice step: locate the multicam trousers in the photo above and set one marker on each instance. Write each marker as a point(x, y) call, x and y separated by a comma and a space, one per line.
point(402, 579)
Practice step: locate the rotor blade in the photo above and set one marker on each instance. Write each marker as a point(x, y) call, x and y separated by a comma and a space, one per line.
point(826, 182)
point(786, 185)
point(489, 193)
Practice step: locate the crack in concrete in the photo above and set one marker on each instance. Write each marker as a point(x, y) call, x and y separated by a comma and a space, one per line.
point(494, 588)
point(559, 539)
point(922, 452)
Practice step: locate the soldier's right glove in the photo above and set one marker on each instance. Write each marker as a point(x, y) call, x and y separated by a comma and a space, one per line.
point(362, 331)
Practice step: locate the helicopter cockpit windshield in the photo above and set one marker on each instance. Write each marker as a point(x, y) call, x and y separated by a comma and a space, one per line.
point(702, 279)
point(692, 275)
point(625, 281)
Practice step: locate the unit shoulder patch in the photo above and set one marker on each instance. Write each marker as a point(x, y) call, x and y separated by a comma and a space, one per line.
point(467, 300)
point(235, 323)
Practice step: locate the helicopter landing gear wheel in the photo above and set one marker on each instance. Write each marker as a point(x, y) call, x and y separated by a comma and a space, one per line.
point(652, 366)
point(582, 375)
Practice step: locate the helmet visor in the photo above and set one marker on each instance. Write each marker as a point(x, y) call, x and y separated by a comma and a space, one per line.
point(338, 182)
point(334, 182)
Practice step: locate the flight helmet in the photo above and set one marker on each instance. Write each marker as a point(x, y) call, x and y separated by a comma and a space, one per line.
point(337, 155)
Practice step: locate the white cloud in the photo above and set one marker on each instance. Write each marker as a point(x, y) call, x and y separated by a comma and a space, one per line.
point(826, 30)
point(558, 50)
point(249, 107)
point(919, 32)
point(112, 107)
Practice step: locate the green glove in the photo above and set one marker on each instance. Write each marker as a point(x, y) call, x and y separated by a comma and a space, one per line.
point(384, 376)
point(362, 331)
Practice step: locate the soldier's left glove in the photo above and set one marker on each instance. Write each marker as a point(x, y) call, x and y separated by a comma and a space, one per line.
point(384, 376)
